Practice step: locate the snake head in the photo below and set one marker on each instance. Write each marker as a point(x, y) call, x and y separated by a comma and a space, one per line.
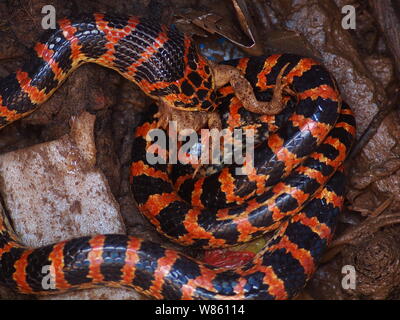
point(195, 90)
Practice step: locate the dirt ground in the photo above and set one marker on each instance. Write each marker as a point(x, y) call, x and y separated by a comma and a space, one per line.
point(365, 61)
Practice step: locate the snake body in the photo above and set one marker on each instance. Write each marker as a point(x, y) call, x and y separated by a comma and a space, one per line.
point(294, 188)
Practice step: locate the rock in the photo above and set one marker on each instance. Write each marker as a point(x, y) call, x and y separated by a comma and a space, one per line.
point(54, 192)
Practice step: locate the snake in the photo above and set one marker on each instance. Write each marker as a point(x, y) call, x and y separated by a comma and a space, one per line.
point(294, 189)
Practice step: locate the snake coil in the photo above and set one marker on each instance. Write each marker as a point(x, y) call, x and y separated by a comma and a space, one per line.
point(295, 187)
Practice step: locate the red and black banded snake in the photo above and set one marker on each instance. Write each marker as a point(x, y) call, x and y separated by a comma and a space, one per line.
point(296, 187)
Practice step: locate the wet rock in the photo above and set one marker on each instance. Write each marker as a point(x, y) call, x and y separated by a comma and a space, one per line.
point(54, 192)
